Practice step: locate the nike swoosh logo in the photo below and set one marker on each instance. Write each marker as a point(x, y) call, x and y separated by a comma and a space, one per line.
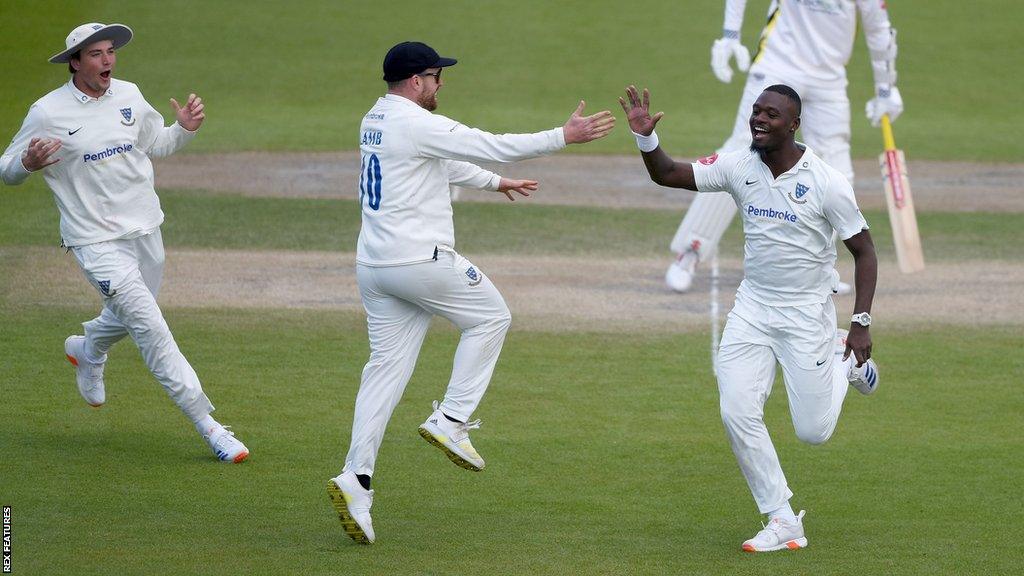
point(819, 363)
point(72, 132)
point(751, 182)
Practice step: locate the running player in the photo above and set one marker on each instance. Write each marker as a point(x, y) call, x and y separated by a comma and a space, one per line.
point(791, 203)
point(92, 139)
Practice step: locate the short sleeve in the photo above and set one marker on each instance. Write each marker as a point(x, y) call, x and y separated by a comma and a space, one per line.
point(713, 173)
point(840, 208)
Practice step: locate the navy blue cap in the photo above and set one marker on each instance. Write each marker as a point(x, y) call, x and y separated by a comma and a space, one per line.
point(409, 58)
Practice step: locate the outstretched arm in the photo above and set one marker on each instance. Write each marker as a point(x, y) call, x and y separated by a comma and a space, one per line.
point(436, 136)
point(472, 176)
point(660, 166)
point(158, 140)
point(865, 277)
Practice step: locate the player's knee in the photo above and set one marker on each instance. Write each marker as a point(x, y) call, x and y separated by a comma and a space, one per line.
point(814, 435)
point(503, 320)
point(497, 322)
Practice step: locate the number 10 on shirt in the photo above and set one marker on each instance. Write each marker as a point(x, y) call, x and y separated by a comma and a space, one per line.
point(369, 181)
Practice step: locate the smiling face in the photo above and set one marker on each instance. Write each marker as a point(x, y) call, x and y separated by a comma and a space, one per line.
point(773, 122)
point(93, 67)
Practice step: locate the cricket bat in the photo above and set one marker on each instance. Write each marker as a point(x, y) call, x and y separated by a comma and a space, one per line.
point(901, 204)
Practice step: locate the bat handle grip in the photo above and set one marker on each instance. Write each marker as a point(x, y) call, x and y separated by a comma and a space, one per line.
point(887, 139)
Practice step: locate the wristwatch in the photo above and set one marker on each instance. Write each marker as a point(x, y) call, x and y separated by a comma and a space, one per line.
point(864, 319)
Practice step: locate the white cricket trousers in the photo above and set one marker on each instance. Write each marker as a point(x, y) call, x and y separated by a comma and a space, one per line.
point(127, 273)
point(802, 339)
point(824, 126)
point(399, 303)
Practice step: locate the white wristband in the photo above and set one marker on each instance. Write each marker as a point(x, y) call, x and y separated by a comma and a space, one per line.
point(646, 143)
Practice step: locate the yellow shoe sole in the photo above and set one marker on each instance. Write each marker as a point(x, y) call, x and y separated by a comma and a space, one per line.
point(458, 460)
point(340, 505)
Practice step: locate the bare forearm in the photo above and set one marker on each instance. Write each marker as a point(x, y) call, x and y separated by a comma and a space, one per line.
point(865, 274)
point(667, 172)
point(865, 278)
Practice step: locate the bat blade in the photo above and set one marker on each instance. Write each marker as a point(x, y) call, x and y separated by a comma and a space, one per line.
point(900, 201)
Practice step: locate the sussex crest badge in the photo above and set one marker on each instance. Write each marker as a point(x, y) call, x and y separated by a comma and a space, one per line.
point(128, 120)
point(798, 194)
point(474, 276)
point(104, 286)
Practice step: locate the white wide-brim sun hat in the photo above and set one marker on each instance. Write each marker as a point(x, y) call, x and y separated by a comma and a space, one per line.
point(91, 33)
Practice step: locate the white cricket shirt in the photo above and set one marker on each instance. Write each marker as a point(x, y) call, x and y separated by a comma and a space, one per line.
point(103, 184)
point(814, 37)
point(789, 253)
point(410, 157)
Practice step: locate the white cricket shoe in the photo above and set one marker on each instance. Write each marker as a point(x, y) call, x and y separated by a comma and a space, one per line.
point(864, 379)
point(225, 446)
point(88, 374)
point(778, 534)
point(679, 276)
point(352, 503)
point(453, 439)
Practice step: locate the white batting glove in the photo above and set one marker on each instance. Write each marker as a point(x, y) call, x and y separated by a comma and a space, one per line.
point(887, 100)
point(722, 50)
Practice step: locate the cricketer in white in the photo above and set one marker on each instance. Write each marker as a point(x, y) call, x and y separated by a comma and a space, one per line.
point(791, 203)
point(408, 270)
point(92, 139)
point(806, 45)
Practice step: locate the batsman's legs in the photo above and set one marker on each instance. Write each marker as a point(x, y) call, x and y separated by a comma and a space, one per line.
point(710, 214)
point(825, 127)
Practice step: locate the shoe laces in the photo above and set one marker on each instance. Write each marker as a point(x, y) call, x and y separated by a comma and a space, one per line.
point(774, 526)
point(461, 431)
point(225, 439)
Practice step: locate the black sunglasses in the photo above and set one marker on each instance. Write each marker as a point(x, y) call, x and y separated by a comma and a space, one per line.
point(436, 75)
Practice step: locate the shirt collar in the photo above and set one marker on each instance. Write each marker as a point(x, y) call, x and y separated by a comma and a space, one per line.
point(82, 97)
point(807, 159)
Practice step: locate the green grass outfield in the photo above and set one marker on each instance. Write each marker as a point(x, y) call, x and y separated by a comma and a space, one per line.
point(605, 451)
point(300, 75)
point(226, 221)
point(605, 455)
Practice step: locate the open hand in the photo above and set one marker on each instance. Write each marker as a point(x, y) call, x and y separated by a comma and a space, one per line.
point(507, 186)
point(38, 154)
point(640, 119)
point(580, 129)
point(190, 116)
